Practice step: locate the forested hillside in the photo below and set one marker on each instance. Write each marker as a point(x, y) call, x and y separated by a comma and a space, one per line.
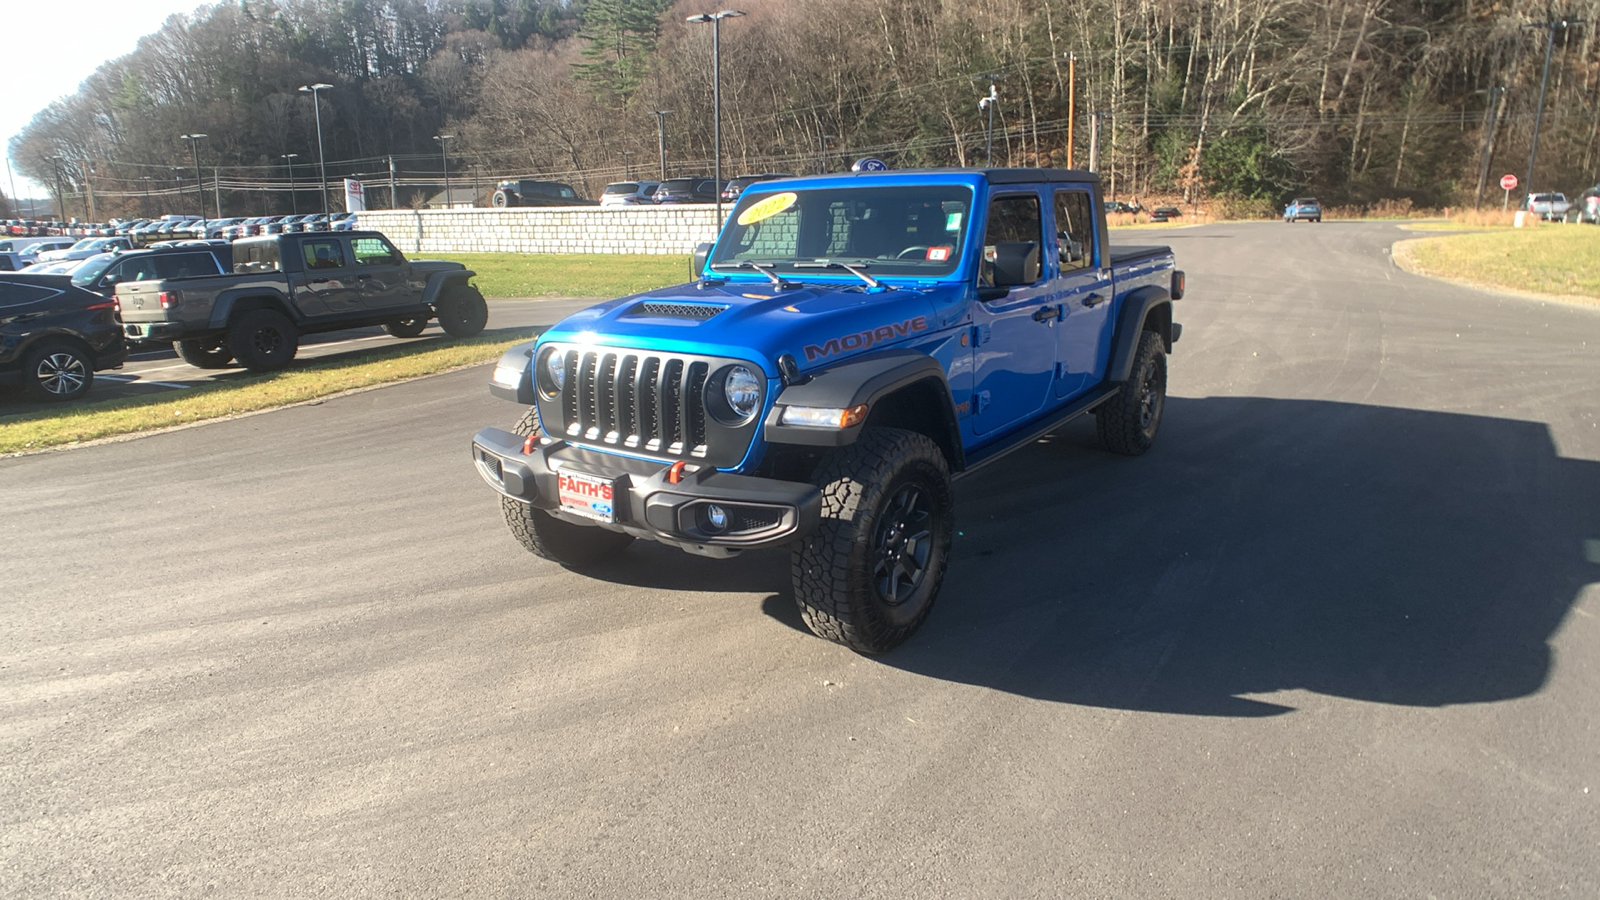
point(1241, 102)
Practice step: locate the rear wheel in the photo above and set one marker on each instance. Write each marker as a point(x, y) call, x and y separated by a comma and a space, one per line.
point(502, 199)
point(1127, 423)
point(204, 353)
point(462, 311)
point(560, 541)
point(263, 340)
point(58, 370)
point(407, 328)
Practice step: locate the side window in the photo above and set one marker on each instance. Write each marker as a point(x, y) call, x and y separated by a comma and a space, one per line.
point(374, 252)
point(323, 254)
point(1075, 229)
point(1013, 220)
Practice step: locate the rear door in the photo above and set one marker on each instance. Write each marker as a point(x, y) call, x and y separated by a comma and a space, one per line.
point(1084, 290)
point(328, 285)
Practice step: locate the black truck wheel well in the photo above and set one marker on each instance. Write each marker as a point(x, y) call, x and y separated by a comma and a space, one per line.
point(922, 407)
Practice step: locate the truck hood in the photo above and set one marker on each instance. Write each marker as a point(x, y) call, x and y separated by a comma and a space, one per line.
point(818, 323)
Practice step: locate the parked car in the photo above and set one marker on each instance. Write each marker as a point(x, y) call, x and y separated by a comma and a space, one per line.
point(732, 188)
point(30, 253)
point(1589, 206)
point(1548, 205)
point(344, 221)
point(629, 193)
point(1303, 209)
point(316, 222)
point(86, 248)
point(216, 228)
point(693, 189)
point(528, 192)
point(101, 274)
point(1165, 213)
point(54, 337)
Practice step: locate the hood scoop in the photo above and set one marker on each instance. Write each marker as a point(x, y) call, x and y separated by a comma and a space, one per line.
point(673, 310)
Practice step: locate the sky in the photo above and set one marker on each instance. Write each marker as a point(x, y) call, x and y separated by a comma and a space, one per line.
point(58, 45)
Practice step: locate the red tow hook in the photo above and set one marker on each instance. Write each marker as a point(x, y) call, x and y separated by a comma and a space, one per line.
point(529, 444)
point(675, 474)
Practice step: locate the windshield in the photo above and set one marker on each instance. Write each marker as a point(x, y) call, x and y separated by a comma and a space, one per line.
point(916, 230)
point(85, 244)
point(92, 268)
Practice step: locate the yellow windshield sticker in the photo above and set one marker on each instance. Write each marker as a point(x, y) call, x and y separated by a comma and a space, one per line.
point(768, 208)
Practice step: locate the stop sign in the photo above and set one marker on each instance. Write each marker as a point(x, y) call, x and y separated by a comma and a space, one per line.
point(1508, 182)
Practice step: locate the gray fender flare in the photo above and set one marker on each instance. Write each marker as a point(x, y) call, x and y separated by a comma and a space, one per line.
point(439, 282)
point(222, 308)
point(869, 380)
point(1137, 307)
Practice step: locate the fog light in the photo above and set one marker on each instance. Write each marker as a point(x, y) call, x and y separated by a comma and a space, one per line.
point(716, 519)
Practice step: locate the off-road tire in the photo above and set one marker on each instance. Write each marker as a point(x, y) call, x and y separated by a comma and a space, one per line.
point(263, 340)
point(204, 353)
point(1127, 423)
point(462, 311)
point(501, 200)
point(57, 370)
point(844, 571)
point(407, 328)
point(560, 541)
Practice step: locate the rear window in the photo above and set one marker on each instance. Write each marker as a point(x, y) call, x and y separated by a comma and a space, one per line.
point(624, 187)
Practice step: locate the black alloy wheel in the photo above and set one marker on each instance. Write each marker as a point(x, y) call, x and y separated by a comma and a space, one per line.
point(903, 545)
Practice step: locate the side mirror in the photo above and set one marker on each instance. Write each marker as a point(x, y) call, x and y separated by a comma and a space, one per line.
point(697, 264)
point(1015, 263)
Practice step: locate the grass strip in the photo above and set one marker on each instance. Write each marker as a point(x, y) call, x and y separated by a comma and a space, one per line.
point(55, 426)
point(1563, 260)
point(606, 275)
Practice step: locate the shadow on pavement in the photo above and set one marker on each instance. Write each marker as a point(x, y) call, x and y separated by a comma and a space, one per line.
point(1388, 555)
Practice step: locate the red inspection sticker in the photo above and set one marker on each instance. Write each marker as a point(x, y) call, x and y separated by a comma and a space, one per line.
point(939, 254)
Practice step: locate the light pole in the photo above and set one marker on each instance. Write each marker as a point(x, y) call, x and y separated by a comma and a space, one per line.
point(1538, 114)
point(445, 161)
point(288, 160)
point(661, 138)
point(716, 96)
point(199, 180)
point(988, 104)
point(322, 161)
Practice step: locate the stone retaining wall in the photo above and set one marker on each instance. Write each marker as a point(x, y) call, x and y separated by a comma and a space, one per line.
point(571, 229)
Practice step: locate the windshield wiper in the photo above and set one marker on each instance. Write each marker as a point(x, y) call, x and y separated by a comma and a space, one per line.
point(854, 269)
point(763, 269)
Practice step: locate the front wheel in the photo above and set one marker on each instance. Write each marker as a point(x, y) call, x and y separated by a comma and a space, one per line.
point(868, 576)
point(462, 311)
point(560, 541)
point(1127, 423)
point(204, 353)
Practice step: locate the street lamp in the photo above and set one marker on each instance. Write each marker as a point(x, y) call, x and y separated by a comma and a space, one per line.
point(288, 160)
point(322, 161)
point(988, 104)
point(661, 138)
point(445, 160)
point(199, 180)
point(716, 95)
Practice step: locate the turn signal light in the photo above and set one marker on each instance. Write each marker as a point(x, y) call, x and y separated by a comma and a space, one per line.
point(823, 417)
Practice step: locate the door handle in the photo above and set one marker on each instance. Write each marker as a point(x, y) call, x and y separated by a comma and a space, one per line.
point(363, 277)
point(319, 281)
point(1093, 300)
point(1047, 314)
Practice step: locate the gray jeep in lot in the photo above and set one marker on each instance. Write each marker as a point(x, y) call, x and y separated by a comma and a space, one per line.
point(286, 285)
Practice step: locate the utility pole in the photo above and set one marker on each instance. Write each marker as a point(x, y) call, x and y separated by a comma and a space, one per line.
point(661, 138)
point(445, 162)
point(1489, 116)
point(394, 191)
point(1544, 84)
point(199, 180)
point(294, 202)
point(13, 179)
point(988, 104)
point(1072, 102)
point(216, 189)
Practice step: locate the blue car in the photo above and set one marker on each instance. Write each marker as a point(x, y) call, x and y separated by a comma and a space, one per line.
point(1303, 208)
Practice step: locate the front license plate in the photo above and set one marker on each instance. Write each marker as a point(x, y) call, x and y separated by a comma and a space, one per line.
point(587, 495)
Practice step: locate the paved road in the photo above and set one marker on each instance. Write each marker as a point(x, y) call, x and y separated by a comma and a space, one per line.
point(1335, 636)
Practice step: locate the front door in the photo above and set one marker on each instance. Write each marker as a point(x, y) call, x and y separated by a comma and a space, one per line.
point(1014, 337)
point(1084, 291)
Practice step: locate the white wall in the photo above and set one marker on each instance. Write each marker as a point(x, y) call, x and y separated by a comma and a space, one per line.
point(673, 229)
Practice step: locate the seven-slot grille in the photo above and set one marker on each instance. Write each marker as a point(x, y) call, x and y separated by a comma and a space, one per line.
point(644, 401)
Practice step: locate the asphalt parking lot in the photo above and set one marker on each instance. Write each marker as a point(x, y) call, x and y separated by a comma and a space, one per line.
point(1335, 636)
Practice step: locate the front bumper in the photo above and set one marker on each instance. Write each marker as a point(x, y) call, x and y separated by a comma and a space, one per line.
point(760, 512)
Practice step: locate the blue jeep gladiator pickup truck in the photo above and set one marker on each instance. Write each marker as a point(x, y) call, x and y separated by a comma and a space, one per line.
point(850, 344)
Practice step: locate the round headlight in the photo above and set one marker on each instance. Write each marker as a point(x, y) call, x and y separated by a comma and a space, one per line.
point(742, 390)
point(555, 369)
